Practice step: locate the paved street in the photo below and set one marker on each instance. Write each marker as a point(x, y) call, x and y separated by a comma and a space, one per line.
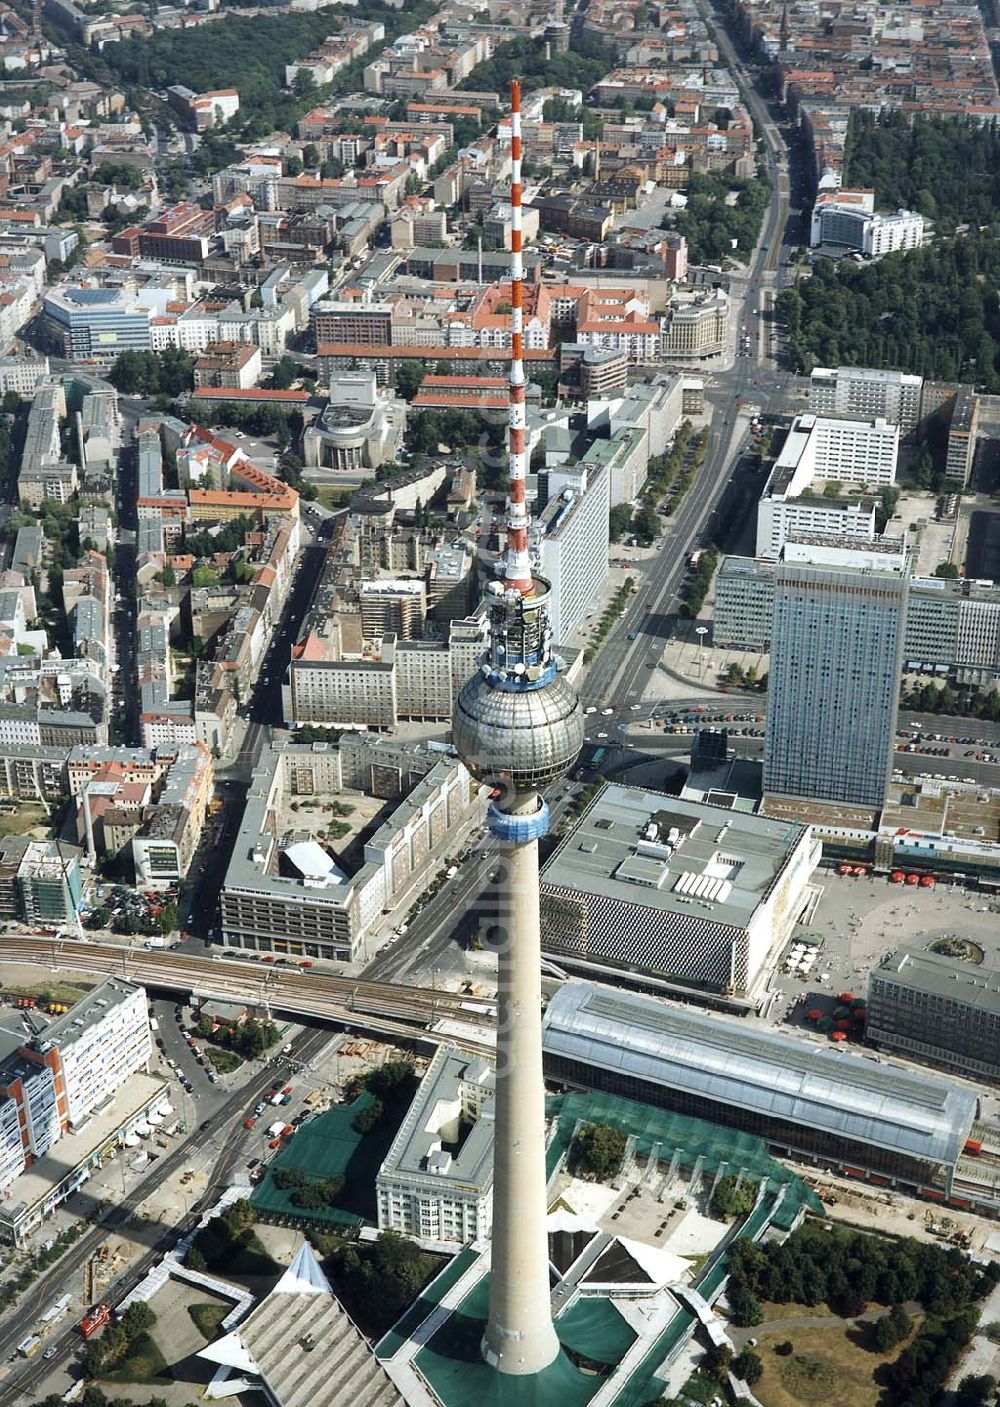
point(217, 1142)
point(750, 383)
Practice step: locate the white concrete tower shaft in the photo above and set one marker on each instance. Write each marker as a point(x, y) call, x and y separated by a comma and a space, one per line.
point(520, 1337)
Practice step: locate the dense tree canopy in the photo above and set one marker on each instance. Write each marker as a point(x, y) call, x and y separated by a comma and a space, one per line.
point(245, 52)
point(524, 58)
point(846, 1269)
point(933, 311)
point(165, 373)
point(948, 168)
point(597, 1151)
point(710, 225)
point(379, 1280)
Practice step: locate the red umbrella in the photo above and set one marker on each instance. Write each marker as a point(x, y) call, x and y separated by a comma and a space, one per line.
point(815, 1014)
point(846, 997)
point(838, 1036)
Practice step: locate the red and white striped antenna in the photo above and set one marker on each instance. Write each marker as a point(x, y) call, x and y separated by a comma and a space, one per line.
point(517, 563)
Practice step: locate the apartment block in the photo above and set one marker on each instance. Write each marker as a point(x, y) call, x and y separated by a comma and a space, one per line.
point(842, 451)
point(626, 457)
point(403, 680)
point(572, 536)
point(81, 1074)
point(284, 892)
point(865, 393)
point(789, 511)
point(962, 431)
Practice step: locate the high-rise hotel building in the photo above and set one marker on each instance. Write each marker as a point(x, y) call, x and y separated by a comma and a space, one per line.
point(833, 690)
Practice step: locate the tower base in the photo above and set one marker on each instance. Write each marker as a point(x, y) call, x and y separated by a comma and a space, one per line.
point(520, 1355)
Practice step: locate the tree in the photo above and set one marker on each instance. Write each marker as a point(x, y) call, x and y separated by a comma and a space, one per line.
point(284, 373)
point(976, 1390)
point(619, 521)
point(717, 1361)
point(887, 502)
point(194, 1260)
point(746, 1309)
point(729, 1201)
point(285, 1179)
point(238, 1216)
point(318, 1195)
point(748, 1366)
point(888, 1331)
point(944, 167)
point(167, 576)
point(309, 1198)
point(597, 1151)
point(394, 1080)
point(366, 1119)
point(947, 570)
point(408, 378)
point(380, 1280)
point(711, 221)
point(138, 1319)
point(646, 525)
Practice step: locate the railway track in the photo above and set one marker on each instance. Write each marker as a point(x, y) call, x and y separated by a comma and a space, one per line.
point(384, 1008)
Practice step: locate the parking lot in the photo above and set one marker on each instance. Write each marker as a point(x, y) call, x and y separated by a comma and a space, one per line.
point(129, 911)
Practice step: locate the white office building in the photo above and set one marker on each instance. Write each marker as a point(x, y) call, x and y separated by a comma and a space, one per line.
point(843, 451)
point(788, 509)
point(55, 1082)
point(848, 220)
point(573, 551)
point(101, 1041)
point(833, 691)
point(436, 1183)
point(866, 393)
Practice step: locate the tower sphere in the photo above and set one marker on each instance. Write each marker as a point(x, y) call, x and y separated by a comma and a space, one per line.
point(523, 739)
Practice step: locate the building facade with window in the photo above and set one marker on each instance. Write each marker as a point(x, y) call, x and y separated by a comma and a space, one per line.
point(938, 1009)
point(833, 691)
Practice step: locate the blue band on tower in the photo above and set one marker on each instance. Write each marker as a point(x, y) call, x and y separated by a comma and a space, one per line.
point(518, 830)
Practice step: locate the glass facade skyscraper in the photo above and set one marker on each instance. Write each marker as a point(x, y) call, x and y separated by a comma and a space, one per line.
point(833, 689)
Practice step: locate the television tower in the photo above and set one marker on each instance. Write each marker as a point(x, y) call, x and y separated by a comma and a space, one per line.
point(518, 726)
